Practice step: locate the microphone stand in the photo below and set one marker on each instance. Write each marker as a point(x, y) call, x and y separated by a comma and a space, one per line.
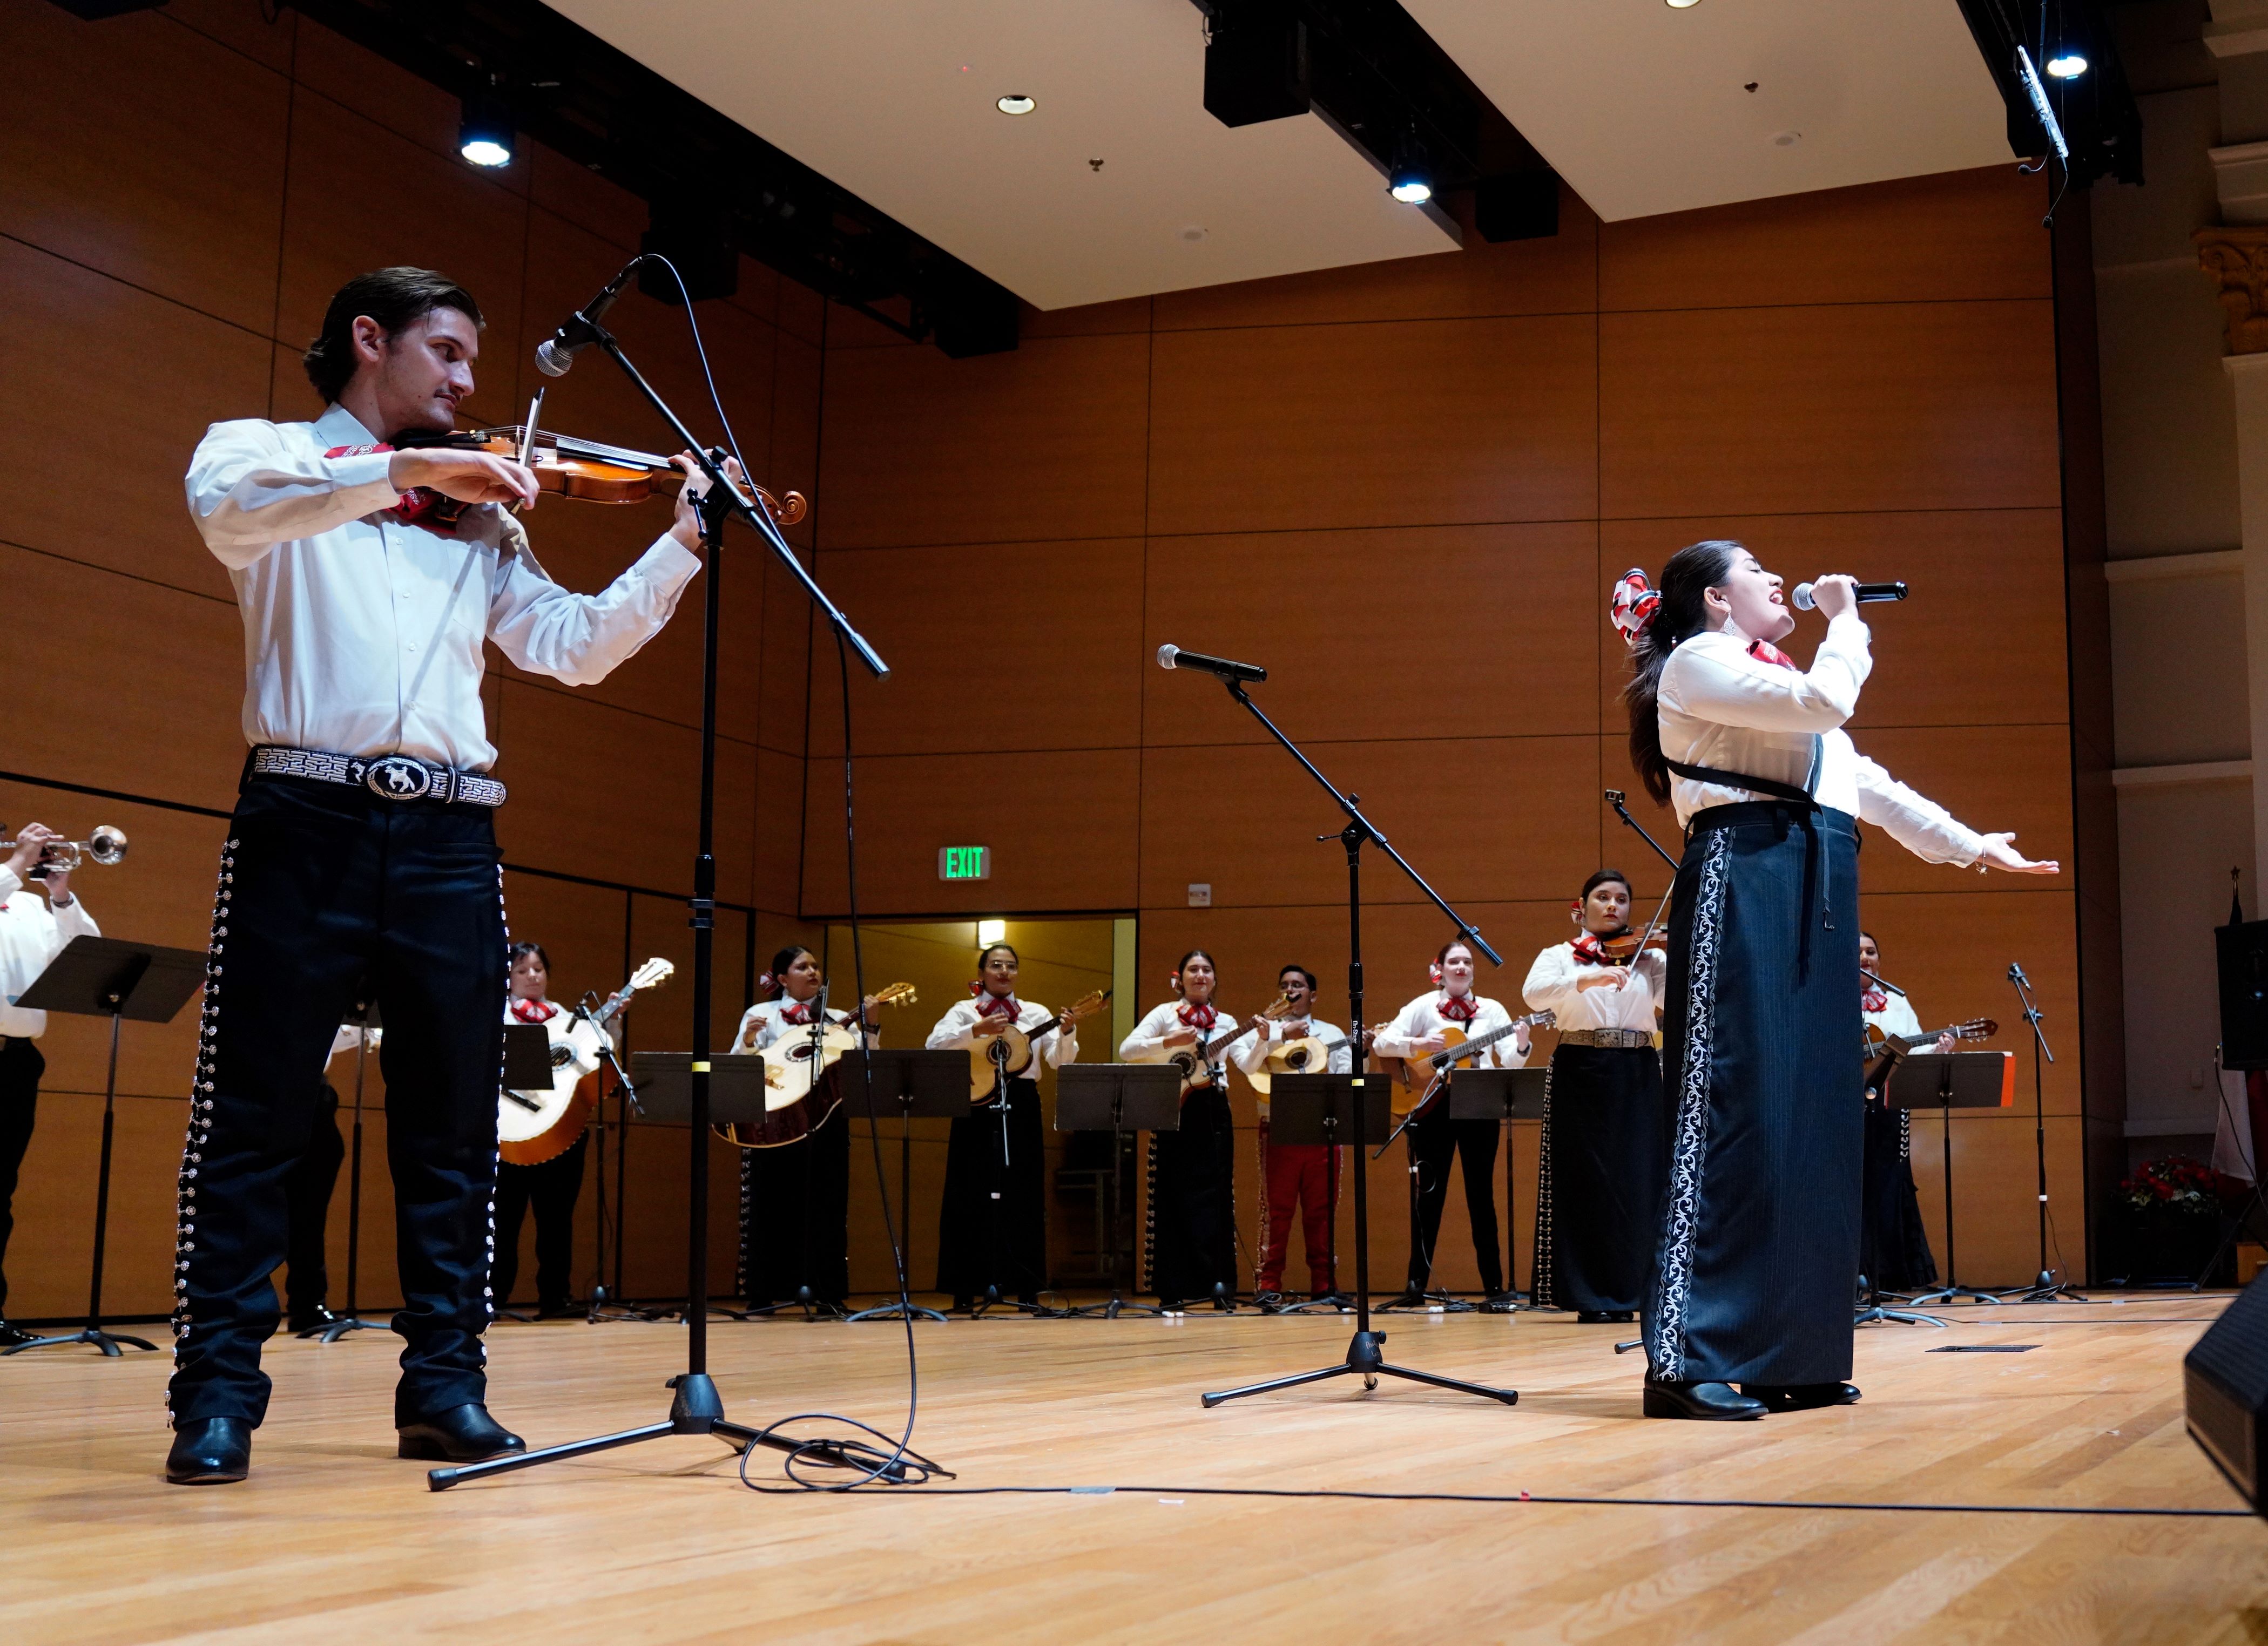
point(696, 1407)
point(2046, 1288)
point(1366, 1354)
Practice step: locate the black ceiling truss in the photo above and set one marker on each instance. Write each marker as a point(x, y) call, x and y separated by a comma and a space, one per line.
point(2101, 123)
point(703, 173)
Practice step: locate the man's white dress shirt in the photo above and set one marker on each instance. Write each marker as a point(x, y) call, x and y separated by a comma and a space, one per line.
point(31, 934)
point(1721, 708)
point(363, 634)
point(1421, 1020)
point(1552, 986)
point(1250, 1053)
point(1897, 1018)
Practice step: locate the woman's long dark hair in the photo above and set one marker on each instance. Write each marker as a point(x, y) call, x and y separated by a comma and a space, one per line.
point(1691, 572)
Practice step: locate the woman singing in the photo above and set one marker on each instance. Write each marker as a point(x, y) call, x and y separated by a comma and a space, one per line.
point(1192, 1228)
point(1759, 1240)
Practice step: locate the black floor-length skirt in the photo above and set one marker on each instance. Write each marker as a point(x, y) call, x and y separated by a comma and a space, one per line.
point(1894, 1253)
point(795, 1218)
point(1605, 1155)
point(992, 1229)
point(1759, 1242)
point(1192, 1221)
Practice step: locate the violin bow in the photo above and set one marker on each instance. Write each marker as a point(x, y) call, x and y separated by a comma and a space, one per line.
point(527, 434)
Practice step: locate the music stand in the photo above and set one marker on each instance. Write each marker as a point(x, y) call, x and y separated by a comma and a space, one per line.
point(1334, 1099)
point(365, 1020)
point(1506, 1095)
point(108, 977)
point(1947, 1081)
point(528, 1067)
point(1313, 1119)
point(905, 1086)
point(1119, 1097)
point(1424, 1300)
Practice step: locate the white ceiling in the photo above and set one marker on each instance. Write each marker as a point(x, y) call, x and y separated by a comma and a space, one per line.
point(1640, 107)
point(1643, 109)
point(873, 94)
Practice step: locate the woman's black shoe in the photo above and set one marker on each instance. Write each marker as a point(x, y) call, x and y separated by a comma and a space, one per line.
point(1710, 1402)
point(213, 1452)
point(11, 1335)
point(463, 1434)
point(307, 1322)
point(1501, 1302)
point(1801, 1396)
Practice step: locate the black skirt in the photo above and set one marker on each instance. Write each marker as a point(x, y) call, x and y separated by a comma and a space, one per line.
point(1759, 1247)
point(992, 1229)
point(1894, 1252)
point(795, 1218)
point(1192, 1221)
point(1598, 1202)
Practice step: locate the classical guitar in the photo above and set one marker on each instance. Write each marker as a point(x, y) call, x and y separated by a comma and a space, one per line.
point(996, 1059)
point(1309, 1055)
point(799, 1099)
point(1200, 1064)
point(1881, 1045)
point(533, 1126)
point(1418, 1081)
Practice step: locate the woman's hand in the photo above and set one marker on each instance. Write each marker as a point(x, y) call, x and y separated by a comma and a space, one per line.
point(1835, 595)
point(2001, 854)
point(1181, 1037)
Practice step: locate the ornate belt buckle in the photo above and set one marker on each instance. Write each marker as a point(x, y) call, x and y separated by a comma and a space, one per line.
point(398, 777)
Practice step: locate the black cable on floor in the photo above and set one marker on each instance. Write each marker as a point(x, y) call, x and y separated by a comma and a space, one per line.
point(1580, 1500)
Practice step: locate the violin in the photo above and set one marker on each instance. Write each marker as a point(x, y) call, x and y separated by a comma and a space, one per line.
point(587, 471)
point(1626, 944)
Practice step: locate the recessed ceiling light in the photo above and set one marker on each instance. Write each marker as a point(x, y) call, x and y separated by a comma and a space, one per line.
point(2066, 65)
point(1786, 139)
point(1192, 232)
point(1680, 5)
point(484, 135)
point(1016, 103)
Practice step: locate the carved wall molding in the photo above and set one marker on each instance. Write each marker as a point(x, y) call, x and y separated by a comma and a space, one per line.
point(2236, 256)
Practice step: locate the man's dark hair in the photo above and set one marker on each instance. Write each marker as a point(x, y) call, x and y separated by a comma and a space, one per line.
point(394, 298)
point(1301, 970)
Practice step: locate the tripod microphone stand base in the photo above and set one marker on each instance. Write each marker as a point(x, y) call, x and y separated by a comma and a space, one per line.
point(1874, 1314)
point(1423, 1303)
point(92, 1336)
point(2048, 1288)
point(895, 1311)
point(1337, 1302)
point(1956, 1294)
point(604, 1311)
point(1365, 1358)
point(332, 1331)
point(1111, 1310)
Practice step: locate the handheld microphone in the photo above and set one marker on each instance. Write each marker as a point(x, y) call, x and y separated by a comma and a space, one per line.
point(557, 353)
point(1867, 593)
point(1175, 657)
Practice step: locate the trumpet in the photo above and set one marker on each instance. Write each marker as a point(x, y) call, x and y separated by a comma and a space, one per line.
point(106, 846)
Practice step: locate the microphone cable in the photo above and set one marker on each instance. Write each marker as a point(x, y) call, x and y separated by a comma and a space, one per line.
point(901, 1465)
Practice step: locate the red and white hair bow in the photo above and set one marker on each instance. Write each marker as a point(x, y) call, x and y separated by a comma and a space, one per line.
point(1636, 604)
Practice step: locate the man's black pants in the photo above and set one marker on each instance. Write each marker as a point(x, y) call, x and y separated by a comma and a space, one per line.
point(1431, 1139)
point(322, 887)
point(20, 1068)
point(549, 1188)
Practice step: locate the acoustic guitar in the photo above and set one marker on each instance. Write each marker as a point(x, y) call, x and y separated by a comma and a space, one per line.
point(1309, 1055)
point(799, 1098)
point(1881, 1045)
point(535, 1124)
point(996, 1059)
point(1200, 1064)
point(1419, 1080)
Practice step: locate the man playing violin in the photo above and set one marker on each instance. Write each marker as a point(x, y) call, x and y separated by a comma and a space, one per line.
point(362, 854)
point(1599, 1195)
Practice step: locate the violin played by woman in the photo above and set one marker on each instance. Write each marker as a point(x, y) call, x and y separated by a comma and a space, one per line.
point(588, 471)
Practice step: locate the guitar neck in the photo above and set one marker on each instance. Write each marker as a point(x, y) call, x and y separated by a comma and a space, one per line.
point(1480, 1042)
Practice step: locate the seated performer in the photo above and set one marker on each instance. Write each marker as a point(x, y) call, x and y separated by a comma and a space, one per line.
point(1190, 1234)
point(32, 933)
point(1759, 1238)
point(795, 1196)
point(1431, 1138)
point(550, 1188)
point(1605, 1132)
point(1894, 1253)
point(1291, 1174)
point(992, 1229)
point(363, 850)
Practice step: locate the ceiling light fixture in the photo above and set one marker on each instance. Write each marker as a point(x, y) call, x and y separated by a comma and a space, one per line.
point(991, 931)
point(1680, 5)
point(2066, 65)
point(1015, 103)
point(484, 134)
point(1410, 178)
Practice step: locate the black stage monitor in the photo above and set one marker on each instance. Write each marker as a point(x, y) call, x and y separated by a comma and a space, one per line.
point(2225, 1380)
point(2242, 952)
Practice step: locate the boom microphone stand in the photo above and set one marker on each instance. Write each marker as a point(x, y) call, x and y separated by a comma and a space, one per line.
point(2045, 1288)
point(1366, 1355)
point(696, 1407)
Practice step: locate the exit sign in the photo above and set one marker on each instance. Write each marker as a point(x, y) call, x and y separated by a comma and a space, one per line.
point(964, 862)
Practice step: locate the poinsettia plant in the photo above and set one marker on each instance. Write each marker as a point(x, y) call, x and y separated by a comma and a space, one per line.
point(2176, 1182)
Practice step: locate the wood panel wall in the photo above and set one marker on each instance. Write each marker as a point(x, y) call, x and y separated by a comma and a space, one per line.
point(1407, 489)
point(180, 191)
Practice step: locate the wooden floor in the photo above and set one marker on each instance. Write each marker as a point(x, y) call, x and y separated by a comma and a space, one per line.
point(335, 1538)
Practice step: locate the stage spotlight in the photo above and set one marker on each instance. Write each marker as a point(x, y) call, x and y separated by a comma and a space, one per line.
point(2066, 65)
point(1411, 180)
point(1015, 103)
point(484, 135)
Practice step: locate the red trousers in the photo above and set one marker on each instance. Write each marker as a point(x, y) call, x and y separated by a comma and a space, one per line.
point(1294, 1176)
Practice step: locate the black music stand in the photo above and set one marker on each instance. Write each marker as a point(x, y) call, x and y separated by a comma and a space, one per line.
point(1333, 1099)
point(1947, 1081)
point(106, 977)
point(1119, 1098)
point(1506, 1095)
point(528, 1067)
point(1312, 1119)
point(606, 1307)
point(904, 1085)
point(1426, 1300)
point(365, 1020)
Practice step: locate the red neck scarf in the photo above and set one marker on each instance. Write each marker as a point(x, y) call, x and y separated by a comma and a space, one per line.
point(1459, 1009)
point(1591, 950)
point(794, 1011)
point(991, 1005)
point(1872, 999)
point(1764, 651)
point(1199, 1018)
point(534, 1011)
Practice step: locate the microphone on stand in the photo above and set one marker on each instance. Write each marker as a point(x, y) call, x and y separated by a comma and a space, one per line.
point(1175, 657)
point(557, 353)
point(1867, 592)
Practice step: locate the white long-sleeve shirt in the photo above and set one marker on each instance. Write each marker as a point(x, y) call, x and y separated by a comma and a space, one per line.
point(363, 634)
point(956, 1032)
point(1147, 1043)
point(1896, 1019)
point(1421, 1020)
point(1251, 1053)
point(1552, 986)
point(766, 1022)
point(31, 935)
point(1719, 706)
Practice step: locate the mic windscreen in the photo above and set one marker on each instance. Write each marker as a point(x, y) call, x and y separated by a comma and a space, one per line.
point(1803, 598)
point(551, 359)
point(1166, 656)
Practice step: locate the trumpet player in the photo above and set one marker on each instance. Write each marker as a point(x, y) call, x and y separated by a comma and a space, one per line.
point(32, 933)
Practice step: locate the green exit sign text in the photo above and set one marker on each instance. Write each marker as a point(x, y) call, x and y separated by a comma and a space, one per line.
point(964, 862)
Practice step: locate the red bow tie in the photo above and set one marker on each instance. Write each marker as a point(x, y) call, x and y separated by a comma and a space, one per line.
point(1459, 1009)
point(1764, 651)
point(1198, 1017)
point(1873, 1000)
point(999, 1006)
point(797, 1011)
point(534, 1011)
point(1590, 951)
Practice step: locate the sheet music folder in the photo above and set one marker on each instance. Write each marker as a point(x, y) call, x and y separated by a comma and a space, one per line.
point(96, 977)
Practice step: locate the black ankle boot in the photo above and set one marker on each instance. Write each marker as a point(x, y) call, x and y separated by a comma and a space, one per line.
point(1801, 1396)
point(1708, 1402)
point(214, 1452)
point(463, 1434)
